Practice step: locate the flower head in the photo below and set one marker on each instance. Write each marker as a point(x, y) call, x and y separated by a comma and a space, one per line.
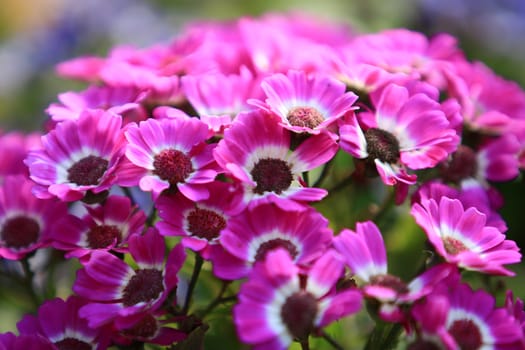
point(26, 222)
point(106, 226)
point(406, 131)
point(78, 156)
point(256, 152)
point(169, 153)
point(116, 290)
point(461, 236)
point(303, 103)
point(278, 304)
point(251, 235)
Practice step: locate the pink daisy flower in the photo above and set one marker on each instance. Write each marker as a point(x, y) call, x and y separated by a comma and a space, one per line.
point(123, 101)
point(14, 147)
point(364, 252)
point(470, 192)
point(461, 236)
point(106, 226)
point(470, 319)
point(409, 52)
point(303, 103)
point(489, 103)
point(169, 153)
point(199, 223)
point(117, 290)
point(256, 151)
point(26, 222)
point(77, 157)
point(146, 327)
point(58, 321)
point(218, 98)
point(249, 236)
point(279, 304)
point(10, 341)
point(406, 131)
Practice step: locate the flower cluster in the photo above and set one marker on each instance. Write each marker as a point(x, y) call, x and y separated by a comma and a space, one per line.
point(223, 144)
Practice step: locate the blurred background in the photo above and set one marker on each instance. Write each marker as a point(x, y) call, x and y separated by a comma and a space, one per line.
point(36, 35)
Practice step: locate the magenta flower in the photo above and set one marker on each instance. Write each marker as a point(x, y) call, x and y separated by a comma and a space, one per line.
point(249, 236)
point(278, 304)
point(10, 341)
point(364, 252)
point(470, 192)
point(106, 226)
point(461, 236)
point(116, 290)
point(58, 321)
point(78, 156)
point(122, 101)
point(305, 104)
point(489, 103)
point(14, 147)
point(199, 223)
point(218, 98)
point(470, 319)
point(169, 153)
point(26, 222)
point(406, 131)
point(410, 53)
point(146, 327)
point(256, 151)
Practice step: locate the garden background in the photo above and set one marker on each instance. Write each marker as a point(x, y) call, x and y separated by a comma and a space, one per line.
point(37, 34)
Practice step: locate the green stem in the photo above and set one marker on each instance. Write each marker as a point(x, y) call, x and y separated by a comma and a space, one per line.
point(218, 299)
point(193, 282)
point(306, 178)
point(128, 194)
point(384, 336)
point(331, 341)
point(305, 345)
point(28, 282)
point(324, 172)
point(342, 184)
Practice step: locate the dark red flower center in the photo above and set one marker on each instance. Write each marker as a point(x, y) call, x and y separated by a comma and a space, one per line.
point(298, 314)
point(172, 165)
point(466, 334)
point(145, 328)
point(271, 175)
point(87, 171)
point(205, 223)
point(272, 244)
point(72, 344)
point(307, 117)
point(382, 145)
point(422, 344)
point(390, 281)
point(101, 236)
point(146, 285)
point(20, 232)
point(462, 165)
point(453, 246)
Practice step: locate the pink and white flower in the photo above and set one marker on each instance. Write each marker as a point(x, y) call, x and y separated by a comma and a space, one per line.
point(106, 226)
point(26, 222)
point(276, 293)
point(406, 131)
point(305, 104)
point(58, 322)
point(251, 235)
point(199, 223)
point(115, 290)
point(460, 235)
point(364, 252)
point(78, 156)
point(169, 153)
point(256, 152)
